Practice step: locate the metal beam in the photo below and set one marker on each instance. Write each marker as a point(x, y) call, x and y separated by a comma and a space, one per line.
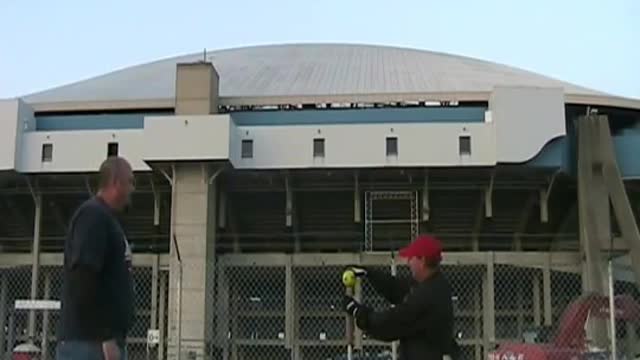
point(45, 318)
point(289, 202)
point(546, 292)
point(489, 304)
point(8, 260)
point(558, 261)
point(488, 197)
point(523, 221)
point(35, 260)
point(156, 202)
point(3, 310)
point(222, 208)
point(357, 201)
point(477, 224)
point(544, 198)
point(426, 209)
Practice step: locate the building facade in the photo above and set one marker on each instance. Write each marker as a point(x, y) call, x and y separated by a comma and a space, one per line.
point(262, 171)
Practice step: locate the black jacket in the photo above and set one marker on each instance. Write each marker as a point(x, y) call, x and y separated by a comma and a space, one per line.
point(422, 319)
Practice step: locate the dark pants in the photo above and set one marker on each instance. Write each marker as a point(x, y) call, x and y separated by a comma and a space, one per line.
point(85, 350)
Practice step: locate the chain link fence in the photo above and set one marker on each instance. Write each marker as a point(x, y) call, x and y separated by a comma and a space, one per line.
point(548, 313)
point(15, 284)
point(626, 342)
point(289, 307)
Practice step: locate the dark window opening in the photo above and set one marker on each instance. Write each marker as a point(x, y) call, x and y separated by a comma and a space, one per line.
point(464, 145)
point(392, 146)
point(112, 149)
point(247, 149)
point(318, 147)
point(47, 152)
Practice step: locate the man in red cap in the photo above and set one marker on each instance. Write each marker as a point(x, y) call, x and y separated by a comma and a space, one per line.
point(422, 318)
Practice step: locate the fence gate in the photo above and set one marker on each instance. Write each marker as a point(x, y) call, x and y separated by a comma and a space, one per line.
point(390, 215)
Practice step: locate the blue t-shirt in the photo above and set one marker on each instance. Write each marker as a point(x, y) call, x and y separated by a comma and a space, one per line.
point(97, 295)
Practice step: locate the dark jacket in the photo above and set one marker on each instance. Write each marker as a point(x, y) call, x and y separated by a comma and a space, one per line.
point(422, 319)
point(97, 294)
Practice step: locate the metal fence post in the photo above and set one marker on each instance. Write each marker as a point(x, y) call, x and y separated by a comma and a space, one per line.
point(35, 267)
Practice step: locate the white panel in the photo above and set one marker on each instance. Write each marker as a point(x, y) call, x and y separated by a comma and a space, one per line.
point(15, 117)
point(526, 119)
point(192, 137)
point(79, 151)
point(365, 145)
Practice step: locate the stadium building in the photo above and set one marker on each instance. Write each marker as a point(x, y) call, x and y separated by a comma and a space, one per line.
point(262, 171)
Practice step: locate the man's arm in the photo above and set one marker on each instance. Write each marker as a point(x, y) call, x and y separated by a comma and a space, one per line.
point(388, 286)
point(396, 322)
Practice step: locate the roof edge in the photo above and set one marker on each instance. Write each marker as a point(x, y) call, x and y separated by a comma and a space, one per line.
point(594, 100)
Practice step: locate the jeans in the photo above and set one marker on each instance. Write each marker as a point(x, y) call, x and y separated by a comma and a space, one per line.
point(85, 350)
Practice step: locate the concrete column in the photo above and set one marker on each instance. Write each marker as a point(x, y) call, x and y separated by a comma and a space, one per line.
point(196, 89)
point(194, 227)
point(594, 214)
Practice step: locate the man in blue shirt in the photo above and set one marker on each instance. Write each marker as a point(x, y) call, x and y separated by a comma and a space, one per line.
point(97, 295)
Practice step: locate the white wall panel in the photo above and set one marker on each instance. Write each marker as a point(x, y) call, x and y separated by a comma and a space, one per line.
point(79, 151)
point(202, 137)
point(427, 144)
point(526, 118)
point(15, 117)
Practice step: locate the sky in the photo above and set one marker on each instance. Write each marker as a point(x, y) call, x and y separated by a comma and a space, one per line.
point(44, 43)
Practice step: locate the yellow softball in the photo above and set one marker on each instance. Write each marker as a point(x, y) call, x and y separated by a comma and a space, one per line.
point(349, 278)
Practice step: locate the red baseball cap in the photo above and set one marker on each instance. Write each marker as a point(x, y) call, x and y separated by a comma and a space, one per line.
point(426, 246)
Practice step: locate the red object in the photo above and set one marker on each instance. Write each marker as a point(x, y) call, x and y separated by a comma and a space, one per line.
point(425, 246)
point(569, 341)
point(27, 351)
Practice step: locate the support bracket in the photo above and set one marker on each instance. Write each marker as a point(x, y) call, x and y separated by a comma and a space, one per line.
point(289, 201)
point(32, 189)
point(87, 184)
point(488, 197)
point(166, 175)
point(356, 198)
point(213, 177)
point(426, 209)
point(156, 203)
point(544, 198)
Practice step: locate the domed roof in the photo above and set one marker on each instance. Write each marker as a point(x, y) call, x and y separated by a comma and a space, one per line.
point(306, 73)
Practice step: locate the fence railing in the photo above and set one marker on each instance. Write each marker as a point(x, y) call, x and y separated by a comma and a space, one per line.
point(281, 306)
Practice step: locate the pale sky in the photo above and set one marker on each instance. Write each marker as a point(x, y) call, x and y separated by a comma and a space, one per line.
point(48, 43)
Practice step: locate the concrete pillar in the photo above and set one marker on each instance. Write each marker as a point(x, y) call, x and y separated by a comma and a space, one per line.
point(194, 218)
point(196, 89)
point(594, 215)
point(193, 224)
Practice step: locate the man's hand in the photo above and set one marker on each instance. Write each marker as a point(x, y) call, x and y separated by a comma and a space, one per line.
point(359, 271)
point(359, 312)
point(350, 305)
point(111, 350)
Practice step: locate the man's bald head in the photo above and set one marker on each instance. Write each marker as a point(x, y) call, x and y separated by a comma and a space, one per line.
point(116, 181)
point(113, 169)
